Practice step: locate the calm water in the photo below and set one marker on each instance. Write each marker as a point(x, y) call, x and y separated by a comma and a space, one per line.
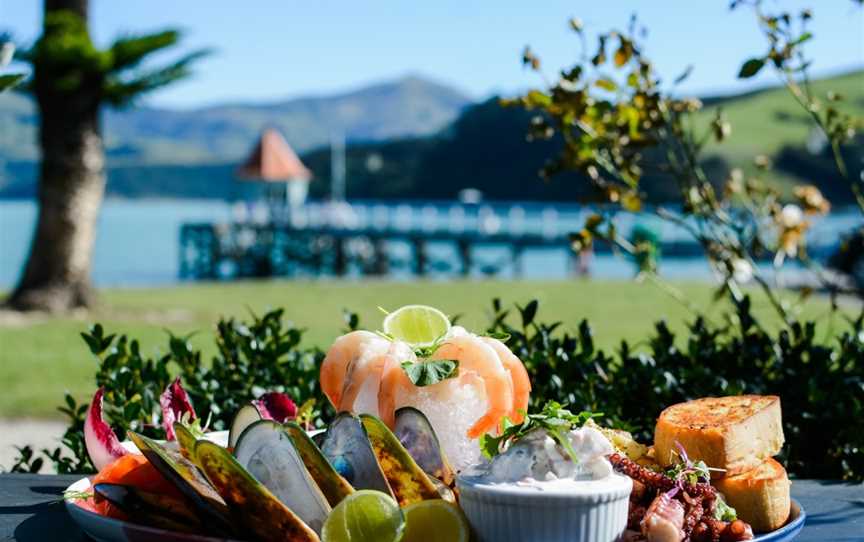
point(137, 243)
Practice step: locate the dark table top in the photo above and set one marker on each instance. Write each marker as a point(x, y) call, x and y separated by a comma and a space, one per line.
point(31, 511)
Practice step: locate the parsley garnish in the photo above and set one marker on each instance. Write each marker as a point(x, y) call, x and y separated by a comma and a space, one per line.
point(555, 419)
point(426, 373)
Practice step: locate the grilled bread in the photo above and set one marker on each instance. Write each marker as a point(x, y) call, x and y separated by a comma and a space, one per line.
point(761, 496)
point(736, 434)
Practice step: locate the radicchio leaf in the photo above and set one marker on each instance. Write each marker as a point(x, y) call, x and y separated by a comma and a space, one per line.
point(276, 406)
point(102, 444)
point(176, 406)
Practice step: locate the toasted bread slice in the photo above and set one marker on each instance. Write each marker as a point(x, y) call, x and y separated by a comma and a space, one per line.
point(735, 433)
point(761, 496)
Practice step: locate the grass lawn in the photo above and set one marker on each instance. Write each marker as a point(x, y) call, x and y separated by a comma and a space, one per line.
point(41, 357)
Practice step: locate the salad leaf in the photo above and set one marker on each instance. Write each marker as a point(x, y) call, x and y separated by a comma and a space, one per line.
point(555, 419)
point(426, 373)
point(723, 511)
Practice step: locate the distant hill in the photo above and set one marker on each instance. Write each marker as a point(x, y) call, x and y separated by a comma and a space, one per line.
point(407, 107)
point(483, 147)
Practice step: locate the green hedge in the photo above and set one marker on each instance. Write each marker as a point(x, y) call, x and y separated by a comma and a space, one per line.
point(821, 385)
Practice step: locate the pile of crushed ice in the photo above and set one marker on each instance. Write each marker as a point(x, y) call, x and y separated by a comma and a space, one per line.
point(452, 407)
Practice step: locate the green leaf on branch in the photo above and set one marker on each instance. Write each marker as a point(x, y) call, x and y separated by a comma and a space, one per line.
point(806, 36)
point(606, 84)
point(535, 98)
point(751, 68)
point(426, 373)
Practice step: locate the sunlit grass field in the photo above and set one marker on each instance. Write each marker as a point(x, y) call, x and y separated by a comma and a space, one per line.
point(40, 357)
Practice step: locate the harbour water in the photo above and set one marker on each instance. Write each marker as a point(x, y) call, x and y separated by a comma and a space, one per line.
point(137, 242)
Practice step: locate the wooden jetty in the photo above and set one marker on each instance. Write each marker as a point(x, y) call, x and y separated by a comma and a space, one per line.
point(244, 250)
point(377, 240)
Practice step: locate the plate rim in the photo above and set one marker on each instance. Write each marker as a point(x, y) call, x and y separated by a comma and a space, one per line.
point(84, 484)
point(790, 528)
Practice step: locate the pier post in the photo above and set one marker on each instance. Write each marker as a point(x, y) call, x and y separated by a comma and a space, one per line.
point(381, 259)
point(419, 256)
point(516, 251)
point(464, 247)
point(340, 263)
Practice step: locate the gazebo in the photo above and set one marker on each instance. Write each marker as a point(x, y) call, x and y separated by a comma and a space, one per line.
point(273, 161)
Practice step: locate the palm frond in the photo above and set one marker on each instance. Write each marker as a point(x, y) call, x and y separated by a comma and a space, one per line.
point(128, 51)
point(121, 91)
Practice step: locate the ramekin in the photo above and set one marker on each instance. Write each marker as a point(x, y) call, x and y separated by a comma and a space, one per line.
point(514, 513)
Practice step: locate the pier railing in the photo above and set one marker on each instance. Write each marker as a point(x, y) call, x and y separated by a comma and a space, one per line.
point(371, 238)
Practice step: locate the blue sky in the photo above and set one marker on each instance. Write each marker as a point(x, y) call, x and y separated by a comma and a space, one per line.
point(272, 49)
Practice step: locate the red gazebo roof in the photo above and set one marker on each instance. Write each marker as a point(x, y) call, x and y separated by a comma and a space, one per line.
point(273, 160)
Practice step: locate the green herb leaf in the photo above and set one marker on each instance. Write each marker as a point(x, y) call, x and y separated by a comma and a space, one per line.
point(555, 419)
point(426, 373)
point(723, 511)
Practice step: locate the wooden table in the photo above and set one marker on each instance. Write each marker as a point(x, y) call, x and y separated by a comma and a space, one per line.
point(31, 511)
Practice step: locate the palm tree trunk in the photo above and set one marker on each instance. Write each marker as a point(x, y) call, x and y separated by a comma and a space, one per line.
point(71, 185)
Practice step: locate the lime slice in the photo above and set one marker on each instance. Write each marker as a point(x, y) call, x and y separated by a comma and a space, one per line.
point(364, 515)
point(435, 521)
point(418, 325)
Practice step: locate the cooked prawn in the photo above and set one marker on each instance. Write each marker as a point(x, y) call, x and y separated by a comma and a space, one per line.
point(476, 358)
point(364, 377)
point(393, 380)
point(518, 376)
point(344, 351)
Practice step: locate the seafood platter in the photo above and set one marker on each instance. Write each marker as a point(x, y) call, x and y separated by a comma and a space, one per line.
point(434, 440)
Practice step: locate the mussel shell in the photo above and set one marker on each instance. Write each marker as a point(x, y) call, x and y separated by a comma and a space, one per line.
point(189, 481)
point(407, 480)
point(259, 511)
point(332, 484)
point(152, 509)
point(246, 416)
point(347, 448)
point(267, 451)
point(318, 438)
point(185, 440)
point(416, 434)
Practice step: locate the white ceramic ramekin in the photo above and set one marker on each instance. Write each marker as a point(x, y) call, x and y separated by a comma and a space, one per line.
point(511, 513)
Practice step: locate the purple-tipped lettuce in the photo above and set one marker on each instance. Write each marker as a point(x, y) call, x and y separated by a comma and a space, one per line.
point(102, 444)
point(176, 406)
point(276, 406)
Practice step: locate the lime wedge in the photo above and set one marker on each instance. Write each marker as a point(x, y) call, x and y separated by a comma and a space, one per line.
point(364, 515)
point(417, 325)
point(435, 521)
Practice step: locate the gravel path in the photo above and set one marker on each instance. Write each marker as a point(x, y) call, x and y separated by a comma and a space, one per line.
point(37, 433)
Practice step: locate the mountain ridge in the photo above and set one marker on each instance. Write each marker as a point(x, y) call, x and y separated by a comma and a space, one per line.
point(409, 106)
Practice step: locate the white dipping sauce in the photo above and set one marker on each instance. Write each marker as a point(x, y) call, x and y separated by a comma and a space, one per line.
point(538, 462)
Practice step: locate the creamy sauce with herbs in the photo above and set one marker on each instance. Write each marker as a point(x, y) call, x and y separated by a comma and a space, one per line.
point(537, 462)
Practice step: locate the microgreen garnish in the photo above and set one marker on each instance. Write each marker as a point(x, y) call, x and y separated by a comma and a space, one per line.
point(72, 495)
point(500, 335)
point(306, 414)
point(426, 373)
point(383, 335)
point(686, 471)
point(195, 426)
point(555, 419)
